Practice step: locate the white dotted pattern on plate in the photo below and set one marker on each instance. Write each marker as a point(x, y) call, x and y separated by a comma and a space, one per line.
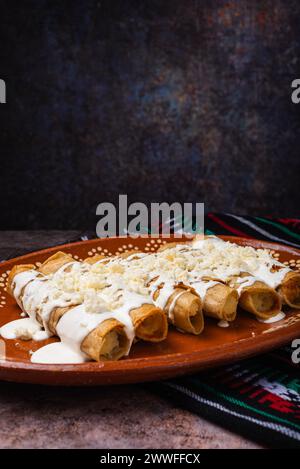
point(3, 284)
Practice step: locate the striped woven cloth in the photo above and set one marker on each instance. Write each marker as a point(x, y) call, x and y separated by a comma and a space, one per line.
point(259, 397)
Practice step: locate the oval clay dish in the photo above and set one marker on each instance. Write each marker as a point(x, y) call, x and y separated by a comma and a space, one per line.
point(179, 354)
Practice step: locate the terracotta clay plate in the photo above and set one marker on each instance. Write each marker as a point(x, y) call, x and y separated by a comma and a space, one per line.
point(179, 354)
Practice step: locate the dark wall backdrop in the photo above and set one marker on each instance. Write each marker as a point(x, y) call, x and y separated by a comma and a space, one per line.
point(171, 100)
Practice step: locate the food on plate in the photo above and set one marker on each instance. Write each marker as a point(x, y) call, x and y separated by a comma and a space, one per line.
point(101, 306)
point(257, 297)
point(289, 289)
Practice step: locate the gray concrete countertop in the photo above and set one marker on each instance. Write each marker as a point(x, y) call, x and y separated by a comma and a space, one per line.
point(110, 417)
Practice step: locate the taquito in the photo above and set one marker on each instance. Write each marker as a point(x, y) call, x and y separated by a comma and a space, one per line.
point(49, 266)
point(184, 310)
point(55, 262)
point(258, 298)
point(18, 269)
point(108, 341)
point(289, 289)
point(220, 302)
point(150, 323)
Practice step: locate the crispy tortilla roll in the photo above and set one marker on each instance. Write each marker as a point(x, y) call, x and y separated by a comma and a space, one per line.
point(53, 263)
point(186, 311)
point(260, 300)
point(17, 269)
point(150, 323)
point(108, 341)
point(16, 289)
point(220, 302)
point(50, 266)
point(289, 289)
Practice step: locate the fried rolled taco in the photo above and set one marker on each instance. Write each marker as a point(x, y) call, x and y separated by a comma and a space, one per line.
point(219, 300)
point(289, 289)
point(108, 341)
point(21, 275)
point(260, 300)
point(185, 311)
point(18, 278)
point(55, 262)
point(150, 323)
point(257, 297)
point(98, 339)
point(30, 287)
point(184, 308)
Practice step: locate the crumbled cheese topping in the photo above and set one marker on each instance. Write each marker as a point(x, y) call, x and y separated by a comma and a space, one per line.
point(101, 286)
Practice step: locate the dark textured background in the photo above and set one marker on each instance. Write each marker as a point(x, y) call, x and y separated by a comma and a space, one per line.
point(174, 100)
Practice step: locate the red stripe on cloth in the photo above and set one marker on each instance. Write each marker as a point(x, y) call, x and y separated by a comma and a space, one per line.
point(227, 227)
point(289, 221)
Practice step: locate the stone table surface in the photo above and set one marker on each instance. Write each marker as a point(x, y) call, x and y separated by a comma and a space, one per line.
point(127, 416)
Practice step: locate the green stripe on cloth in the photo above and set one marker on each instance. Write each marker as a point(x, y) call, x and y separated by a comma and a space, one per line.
point(280, 227)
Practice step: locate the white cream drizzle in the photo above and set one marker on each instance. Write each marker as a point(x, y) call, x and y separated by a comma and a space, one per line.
point(245, 282)
point(25, 328)
point(57, 353)
point(281, 315)
point(173, 303)
point(165, 291)
point(20, 280)
point(39, 297)
point(201, 287)
point(223, 323)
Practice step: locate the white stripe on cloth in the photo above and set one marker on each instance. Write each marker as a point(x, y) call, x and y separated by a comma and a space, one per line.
point(262, 231)
point(272, 426)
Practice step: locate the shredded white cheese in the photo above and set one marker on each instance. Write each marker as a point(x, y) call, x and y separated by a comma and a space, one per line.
point(101, 286)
